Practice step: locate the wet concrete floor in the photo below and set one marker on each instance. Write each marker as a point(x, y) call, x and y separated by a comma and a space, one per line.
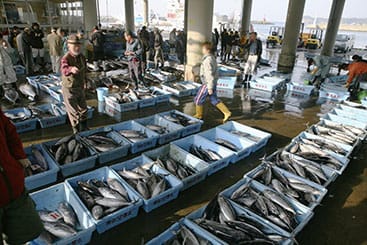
point(342, 216)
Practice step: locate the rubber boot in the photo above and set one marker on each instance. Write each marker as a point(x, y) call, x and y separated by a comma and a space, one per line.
point(223, 108)
point(84, 126)
point(199, 112)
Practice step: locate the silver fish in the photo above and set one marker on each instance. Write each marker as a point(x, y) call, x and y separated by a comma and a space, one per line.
point(67, 213)
point(59, 229)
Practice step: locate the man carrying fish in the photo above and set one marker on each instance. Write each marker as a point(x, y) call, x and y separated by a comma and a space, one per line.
point(209, 77)
point(19, 221)
point(73, 72)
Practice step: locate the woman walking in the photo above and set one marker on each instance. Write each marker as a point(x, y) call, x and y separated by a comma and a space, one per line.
point(209, 78)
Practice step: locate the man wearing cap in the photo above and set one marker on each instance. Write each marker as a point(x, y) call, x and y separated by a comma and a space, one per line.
point(55, 49)
point(73, 71)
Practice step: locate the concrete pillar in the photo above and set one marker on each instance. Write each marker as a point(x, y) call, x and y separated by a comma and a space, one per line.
point(199, 30)
point(90, 15)
point(332, 27)
point(287, 55)
point(129, 15)
point(246, 16)
point(146, 12)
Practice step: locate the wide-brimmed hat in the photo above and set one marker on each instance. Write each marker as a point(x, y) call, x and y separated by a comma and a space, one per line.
point(73, 39)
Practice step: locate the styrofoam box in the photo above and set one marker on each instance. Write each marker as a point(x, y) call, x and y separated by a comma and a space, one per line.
point(330, 173)
point(303, 215)
point(199, 141)
point(286, 174)
point(74, 167)
point(168, 234)
point(267, 226)
point(232, 125)
point(62, 193)
point(244, 145)
point(120, 215)
point(300, 88)
point(175, 130)
point(184, 158)
point(168, 195)
point(118, 152)
point(190, 129)
point(142, 145)
point(44, 178)
point(334, 94)
point(344, 121)
point(24, 126)
point(350, 114)
point(324, 122)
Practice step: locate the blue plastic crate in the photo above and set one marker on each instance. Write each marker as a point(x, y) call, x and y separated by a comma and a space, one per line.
point(287, 174)
point(147, 143)
point(162, 96)
point(19, 69)
point(244, 145)
point(51, 121)
point(267, 226)
point(118, 152)
point(33, 81)
point(62, 193)
point(120, 215)
point(131, 106)
point(161, 199)
point(74, 167)
point(190, 129)
point(303, 215)
point(56, 94)
point(147, 102)
point(344, 121)
point(330, 173)
point(175, 131)
point(90, 112)
point(41, 179)
point(24, 126)
point(264, 137)
point(168, 234)
point(346, 107)
point(199, 141)
point(181, 156)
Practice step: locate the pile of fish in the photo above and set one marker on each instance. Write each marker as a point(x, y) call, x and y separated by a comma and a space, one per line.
point(227, 144)
point(336, 132)
point(178, 169)
point(133, 135)
point(289, 186)
point(58, 224)
point(131, 96)
point(100, 141)
point(185, 236)
point(146, 182)
point(17, 117)
point(38, 162)
point(300, 166)
point(220, 219)
point(246, 135)
point(315, 154)
point(103, 198)
point(106, 65)
point(158, 128)
point(27, 90)
point(179, 119)
point(68, 149)
point(55, 110)
point(181, 86)
point(206, 155)
point(268, 204)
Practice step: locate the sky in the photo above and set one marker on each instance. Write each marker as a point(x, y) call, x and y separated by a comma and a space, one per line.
point(272, 10)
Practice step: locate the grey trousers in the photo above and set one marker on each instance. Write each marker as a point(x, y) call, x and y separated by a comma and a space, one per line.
point(76, 105)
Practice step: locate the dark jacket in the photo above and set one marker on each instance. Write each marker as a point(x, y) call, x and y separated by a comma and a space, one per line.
point(259, 47)
point(36, 39)
point(135, 47)
point(97, 39)
point(70, 80)
point(11, 171)
point(26, 42)
point(158, 40)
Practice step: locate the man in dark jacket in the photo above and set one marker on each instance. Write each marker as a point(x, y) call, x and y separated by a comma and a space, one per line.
point(97, 39)
point(134, 52)
point(253, 48)
point(19, 221)
point(27, 50)
point(12, 37)
point(37, 43)
point(73, 71)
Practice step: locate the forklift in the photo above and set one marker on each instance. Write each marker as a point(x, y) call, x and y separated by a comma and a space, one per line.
point(314, 39)
point(276, 34)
